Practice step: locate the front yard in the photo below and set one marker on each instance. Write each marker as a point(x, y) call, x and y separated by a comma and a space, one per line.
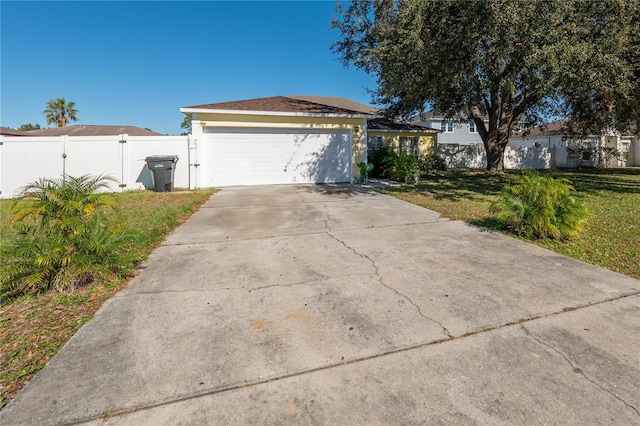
point(611, 238)
point(34, 328)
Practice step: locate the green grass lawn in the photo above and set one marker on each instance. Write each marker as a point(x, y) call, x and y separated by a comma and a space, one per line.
point(34, 327)
point(611, 238)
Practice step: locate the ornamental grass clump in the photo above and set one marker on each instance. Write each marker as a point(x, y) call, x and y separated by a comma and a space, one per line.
point(62, 237)
point(540, 207)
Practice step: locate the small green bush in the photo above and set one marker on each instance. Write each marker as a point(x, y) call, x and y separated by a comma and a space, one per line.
point(387, 163)
point(540, 207)
point(377, 157)
point(401, 167)
point(63, 239)
point(365, 169)
point(432, 163)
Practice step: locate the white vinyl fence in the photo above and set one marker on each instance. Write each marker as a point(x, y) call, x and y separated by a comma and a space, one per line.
point(26, 159)
point(474, 156)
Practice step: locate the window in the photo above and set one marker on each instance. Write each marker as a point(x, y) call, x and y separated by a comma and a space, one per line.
point(410, 145)
point(446, 126)
point(374, 143)
point(472, 127)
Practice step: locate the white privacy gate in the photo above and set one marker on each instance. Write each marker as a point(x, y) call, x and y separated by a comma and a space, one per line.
point(26, 159)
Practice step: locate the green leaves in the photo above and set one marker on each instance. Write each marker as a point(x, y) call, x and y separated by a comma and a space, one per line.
point(64, 240)
point(59, 112)
point(431, 163)
point(511, 61)
point(400, 167)
point(365, 169)
point(540, 207)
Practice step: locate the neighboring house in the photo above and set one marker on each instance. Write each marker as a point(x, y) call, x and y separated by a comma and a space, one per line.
point(453, 131)
point(292, 139)
point(608, 150)
point(92, 130)
point(7, 131)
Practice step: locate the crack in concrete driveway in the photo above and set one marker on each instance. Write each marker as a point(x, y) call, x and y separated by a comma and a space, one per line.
point(333, 304)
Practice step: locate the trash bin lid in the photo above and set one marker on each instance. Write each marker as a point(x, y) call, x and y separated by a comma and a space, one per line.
point(153, 158)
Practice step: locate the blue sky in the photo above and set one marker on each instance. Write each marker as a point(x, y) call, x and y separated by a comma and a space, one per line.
point(137, 63)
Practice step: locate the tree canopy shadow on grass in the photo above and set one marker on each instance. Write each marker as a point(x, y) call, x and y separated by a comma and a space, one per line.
point(489, 223)
point(618, 180)
point(457, 184)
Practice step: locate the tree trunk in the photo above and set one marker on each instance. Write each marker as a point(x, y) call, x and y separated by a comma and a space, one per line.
point(495, 146)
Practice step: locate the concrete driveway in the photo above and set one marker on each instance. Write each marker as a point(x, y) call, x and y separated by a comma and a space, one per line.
point(337, 305)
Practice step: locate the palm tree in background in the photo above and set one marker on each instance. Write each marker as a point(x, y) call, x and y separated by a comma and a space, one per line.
point(59, 111)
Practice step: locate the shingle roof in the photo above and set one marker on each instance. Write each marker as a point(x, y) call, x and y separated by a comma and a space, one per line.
point(554, 128)
point(93, 130)
point(559, 128)
point(384, 124)
point(338, 102)
point(7, 131)
point(436, 115)
point(278, 104)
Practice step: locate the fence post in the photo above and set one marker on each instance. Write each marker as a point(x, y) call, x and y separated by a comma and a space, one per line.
point(63, 142)
point(192, 144)
point(122, 150)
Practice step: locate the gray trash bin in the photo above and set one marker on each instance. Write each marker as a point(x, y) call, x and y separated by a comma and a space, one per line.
point(162, 171)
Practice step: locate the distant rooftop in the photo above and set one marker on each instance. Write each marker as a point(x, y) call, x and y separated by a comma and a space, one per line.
point(7, 131)
point(554, 128)
point(92, 130)
point(388, 125)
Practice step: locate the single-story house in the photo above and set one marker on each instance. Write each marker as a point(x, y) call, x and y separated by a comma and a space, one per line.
point(283, 140)
point(569, 150)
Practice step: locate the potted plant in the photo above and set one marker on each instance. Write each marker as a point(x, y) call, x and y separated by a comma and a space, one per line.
point(365, 168)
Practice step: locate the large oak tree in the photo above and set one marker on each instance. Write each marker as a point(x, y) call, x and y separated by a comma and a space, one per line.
point(515, 62)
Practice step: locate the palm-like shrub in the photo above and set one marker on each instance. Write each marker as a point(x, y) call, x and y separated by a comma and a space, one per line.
point(365, 169)
point(540, 207)
point(63, 237)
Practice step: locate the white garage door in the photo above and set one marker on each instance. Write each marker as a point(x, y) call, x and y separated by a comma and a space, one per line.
point(265, 157)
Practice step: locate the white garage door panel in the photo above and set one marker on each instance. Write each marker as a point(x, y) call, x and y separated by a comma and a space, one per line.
point(274, 157)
